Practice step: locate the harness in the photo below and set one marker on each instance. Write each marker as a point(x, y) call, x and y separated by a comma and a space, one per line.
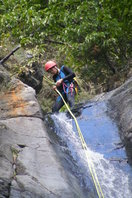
point(67, 86)
point(70, 88)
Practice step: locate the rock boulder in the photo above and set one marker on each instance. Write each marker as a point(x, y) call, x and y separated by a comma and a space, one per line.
point(29, 164)
point(121, 103)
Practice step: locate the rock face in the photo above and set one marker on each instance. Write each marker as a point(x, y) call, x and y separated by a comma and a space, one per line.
point(121, 102)
point(4, 77)
point(35, 78)
point(32, 164)
point(29, 164)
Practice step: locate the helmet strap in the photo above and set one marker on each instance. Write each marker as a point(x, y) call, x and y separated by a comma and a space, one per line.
point(58, 70)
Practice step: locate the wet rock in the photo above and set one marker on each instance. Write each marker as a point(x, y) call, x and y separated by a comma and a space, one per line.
point(121, 102)
point(19, 100)
point(4, 77)
point(29, 164)
point(4, 188)
point(35, 78)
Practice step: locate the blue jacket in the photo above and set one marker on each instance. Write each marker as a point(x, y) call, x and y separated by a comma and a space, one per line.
point(67, 75)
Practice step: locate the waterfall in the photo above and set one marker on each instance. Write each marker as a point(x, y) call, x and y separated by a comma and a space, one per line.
point(114, 180)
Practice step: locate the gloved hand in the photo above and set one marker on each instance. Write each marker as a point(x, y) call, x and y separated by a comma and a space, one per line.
point(54, 87)
point(59, 82)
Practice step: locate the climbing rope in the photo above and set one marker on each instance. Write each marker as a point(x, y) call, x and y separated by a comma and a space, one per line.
point(84, 146)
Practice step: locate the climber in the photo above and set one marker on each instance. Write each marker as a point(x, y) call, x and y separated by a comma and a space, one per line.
point(64, 83)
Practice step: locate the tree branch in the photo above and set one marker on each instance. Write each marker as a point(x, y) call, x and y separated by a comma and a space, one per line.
point(109, 63)
point(8, 56)
point(52, 41)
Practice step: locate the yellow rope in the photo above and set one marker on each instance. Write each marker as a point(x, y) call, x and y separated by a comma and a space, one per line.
point(84, 145)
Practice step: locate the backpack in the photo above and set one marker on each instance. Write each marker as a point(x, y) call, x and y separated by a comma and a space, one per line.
point(76, 85)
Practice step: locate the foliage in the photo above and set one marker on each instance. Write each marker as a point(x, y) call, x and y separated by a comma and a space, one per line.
point(92, 36)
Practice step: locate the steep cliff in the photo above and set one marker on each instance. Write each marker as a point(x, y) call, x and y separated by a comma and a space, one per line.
point(32, 163)
point(121, 103)
point(30, 166)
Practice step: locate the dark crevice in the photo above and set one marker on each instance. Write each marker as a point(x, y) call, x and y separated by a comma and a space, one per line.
point(5, 186)
point(21, 145)
point(19, 116)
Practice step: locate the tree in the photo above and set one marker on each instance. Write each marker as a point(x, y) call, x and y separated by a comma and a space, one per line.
point(94, 36)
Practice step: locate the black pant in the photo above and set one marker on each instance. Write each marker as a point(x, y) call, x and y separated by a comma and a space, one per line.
point(68, 97)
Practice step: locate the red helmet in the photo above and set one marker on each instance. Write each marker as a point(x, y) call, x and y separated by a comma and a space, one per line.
point(49, 65)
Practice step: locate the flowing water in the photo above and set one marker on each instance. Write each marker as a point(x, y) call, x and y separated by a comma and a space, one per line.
point(104, 150)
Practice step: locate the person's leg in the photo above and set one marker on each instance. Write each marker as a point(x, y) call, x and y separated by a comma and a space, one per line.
point(57, 105)
point(71, 98)
point(71, 101)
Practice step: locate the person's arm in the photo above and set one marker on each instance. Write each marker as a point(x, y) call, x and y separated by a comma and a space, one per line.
point(69, 73)
point(54, 86)
point(69, 76)
point(54, 78)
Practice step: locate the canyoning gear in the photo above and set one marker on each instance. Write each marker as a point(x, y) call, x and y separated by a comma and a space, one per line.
point(66, 88)
point(49, 65)
point(67, 75)
point(76, 85)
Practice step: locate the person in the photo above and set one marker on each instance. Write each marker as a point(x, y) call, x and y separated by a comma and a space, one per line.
point(64, 83)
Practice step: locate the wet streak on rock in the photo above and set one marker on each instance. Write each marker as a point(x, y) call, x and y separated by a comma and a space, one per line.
point(121, 104)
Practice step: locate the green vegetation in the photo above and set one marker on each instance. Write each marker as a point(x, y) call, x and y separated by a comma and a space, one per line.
point(94, 37)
